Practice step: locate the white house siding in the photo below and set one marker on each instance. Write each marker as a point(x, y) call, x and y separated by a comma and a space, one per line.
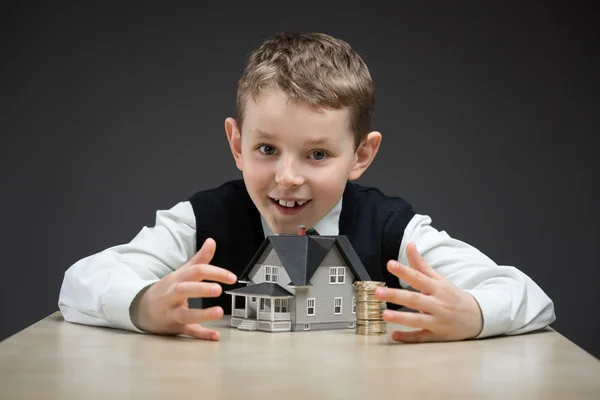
point(333, 258)
point(324, 293)
point(269, 257)
point(292, 308)
point(322, 326)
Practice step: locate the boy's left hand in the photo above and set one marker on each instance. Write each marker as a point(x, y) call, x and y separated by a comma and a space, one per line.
point(447, 313)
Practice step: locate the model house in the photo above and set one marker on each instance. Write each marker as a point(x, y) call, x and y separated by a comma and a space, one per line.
point(299, 282)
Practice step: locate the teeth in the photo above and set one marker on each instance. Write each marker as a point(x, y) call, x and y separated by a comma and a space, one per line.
point(286, 203)
point(290, 203)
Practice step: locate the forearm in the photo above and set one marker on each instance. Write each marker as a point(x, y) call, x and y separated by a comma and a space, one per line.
point(511, 303)
point(100, 289)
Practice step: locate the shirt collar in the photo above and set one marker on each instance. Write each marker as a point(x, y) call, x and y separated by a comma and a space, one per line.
point(326, 226)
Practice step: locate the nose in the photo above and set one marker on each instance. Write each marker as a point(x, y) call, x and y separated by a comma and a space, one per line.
point(288, 174)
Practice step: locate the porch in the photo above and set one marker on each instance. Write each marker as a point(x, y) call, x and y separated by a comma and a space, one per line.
point(260, 308)
point(264, 306)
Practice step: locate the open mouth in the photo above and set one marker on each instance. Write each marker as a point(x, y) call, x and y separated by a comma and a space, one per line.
point(290, 206)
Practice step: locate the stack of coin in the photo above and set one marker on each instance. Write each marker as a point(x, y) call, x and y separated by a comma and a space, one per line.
point(369, 310)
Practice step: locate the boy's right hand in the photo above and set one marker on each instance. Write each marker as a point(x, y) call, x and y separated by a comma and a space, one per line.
point(163, 308)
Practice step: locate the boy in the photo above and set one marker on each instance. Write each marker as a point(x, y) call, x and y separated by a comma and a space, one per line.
point(300, 136)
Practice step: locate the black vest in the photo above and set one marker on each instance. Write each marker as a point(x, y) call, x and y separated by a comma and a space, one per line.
point(373, 222)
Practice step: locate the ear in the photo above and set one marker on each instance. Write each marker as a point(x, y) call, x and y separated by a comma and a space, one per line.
point(365, 154)
point(235, 140)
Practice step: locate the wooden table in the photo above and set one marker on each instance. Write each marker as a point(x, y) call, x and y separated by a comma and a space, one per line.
point(54, 359)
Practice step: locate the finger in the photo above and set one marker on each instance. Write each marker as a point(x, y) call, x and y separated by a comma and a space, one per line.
point(418, 262)
point(185, 290)
point(205, 254)
point(184, 315)
point(199, 332)
point(411, 319)
point(414, 278)
point(201, 272)
point(415, 300)
point(418, 336)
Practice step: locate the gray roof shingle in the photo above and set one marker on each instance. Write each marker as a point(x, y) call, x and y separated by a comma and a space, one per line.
point(302, 255)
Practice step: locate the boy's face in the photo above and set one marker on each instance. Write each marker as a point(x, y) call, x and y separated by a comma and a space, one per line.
point(296, 161)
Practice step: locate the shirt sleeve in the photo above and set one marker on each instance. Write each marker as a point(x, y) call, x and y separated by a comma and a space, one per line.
point(99, 289)
point(510, 301)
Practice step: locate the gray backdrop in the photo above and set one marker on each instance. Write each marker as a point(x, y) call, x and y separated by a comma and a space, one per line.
point(488, 115)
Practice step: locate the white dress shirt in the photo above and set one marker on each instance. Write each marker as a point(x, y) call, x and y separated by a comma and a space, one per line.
point(99, 289)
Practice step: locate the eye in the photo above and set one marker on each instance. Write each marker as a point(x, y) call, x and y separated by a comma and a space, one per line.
point(318, 155)
point(267, 149)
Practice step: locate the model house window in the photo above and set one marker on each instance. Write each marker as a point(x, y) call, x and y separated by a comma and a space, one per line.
point(254, 299)
point(271, 273)
point(354, 305)
point(337, 275)
point(310, 307)
point(281, 305)
point(307, 327)
point(337, 305)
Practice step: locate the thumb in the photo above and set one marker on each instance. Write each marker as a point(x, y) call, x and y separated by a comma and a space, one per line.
point(205, 254)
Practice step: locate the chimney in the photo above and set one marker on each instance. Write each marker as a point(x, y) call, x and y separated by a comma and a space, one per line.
point(301, 230)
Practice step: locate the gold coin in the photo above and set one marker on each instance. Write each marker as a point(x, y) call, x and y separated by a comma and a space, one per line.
point(369, 310)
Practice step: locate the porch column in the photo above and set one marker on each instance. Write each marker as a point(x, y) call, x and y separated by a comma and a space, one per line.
point(272, 309)
point(232, 304)
point(245, 306)
point(257, 307)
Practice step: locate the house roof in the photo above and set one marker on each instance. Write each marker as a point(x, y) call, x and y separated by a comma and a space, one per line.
point(262, 289)
point(301, 255)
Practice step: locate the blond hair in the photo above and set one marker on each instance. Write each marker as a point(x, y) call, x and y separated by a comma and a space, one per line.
point(315, 69)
